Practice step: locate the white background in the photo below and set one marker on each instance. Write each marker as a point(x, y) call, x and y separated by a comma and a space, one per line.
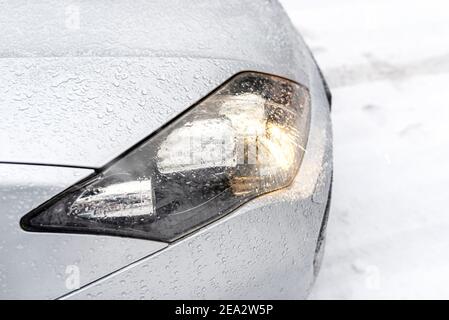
point(387, 63)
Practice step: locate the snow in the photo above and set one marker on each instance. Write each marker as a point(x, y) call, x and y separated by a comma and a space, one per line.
point(388, 66)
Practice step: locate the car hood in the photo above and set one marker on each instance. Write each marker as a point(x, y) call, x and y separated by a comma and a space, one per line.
point(82, 82)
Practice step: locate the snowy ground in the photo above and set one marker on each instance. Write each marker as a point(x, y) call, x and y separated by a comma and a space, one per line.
point(388, 65)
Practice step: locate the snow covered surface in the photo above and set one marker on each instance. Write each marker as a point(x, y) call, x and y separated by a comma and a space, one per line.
point(387, 63)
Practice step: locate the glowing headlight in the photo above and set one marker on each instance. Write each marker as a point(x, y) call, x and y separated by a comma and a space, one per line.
point(247, 138)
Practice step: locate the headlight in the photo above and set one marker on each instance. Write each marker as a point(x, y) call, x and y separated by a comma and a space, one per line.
point(245, 139)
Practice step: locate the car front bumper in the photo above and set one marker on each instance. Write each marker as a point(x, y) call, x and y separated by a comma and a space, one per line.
point(264, 249)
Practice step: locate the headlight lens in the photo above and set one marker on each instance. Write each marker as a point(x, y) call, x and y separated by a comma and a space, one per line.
point(245, 139)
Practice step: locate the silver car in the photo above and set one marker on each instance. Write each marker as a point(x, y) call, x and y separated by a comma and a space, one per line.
point(160, 150)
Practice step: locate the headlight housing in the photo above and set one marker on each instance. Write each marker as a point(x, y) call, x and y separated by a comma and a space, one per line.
point(245, 139)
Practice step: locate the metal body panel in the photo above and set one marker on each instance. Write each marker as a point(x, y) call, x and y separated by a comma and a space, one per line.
point(39, 265)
